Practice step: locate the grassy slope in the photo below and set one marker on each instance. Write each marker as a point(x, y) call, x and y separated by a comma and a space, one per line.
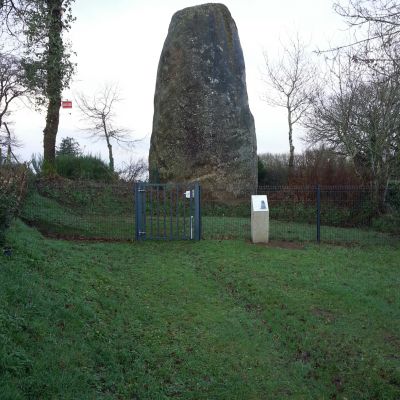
point(226, 320)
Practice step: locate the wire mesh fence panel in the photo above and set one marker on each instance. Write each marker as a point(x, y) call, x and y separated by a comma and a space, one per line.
point(81, 210)
point(348, 214)
point(292, 212)
point(87, 210)
point(224, 218)
point(344, 214)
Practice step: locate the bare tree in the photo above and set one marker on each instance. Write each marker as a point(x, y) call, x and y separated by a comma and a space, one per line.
point(134, 170)
point(375, 25)
point(99, 113)
point(292, 80)
point(358, 115)
point(8, 142)
point(12, 79)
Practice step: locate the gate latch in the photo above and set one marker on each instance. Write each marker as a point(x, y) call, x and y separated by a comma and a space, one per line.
point(189, 194)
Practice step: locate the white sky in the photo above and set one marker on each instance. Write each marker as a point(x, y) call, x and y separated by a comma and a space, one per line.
point(120, 41)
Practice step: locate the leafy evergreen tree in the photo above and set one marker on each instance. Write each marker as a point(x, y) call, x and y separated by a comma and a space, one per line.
point(69, 147)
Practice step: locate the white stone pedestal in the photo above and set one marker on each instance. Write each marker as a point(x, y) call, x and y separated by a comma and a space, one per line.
point(259, 219)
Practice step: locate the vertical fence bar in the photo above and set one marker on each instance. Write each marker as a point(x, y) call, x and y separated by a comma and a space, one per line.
point(177, 212)
point(197, 211)
point(171, 235)
point(136, 205)
point(318, 189)
point(139, 211)
point(184, 214)
point(191, 232)
point(151, 212)
point(158, 213)
point(144, 205)
point(165, 213)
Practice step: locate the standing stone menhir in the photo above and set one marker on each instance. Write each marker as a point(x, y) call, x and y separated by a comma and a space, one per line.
point(202, 127)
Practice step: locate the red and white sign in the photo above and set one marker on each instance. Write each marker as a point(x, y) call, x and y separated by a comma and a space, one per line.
point(66, 104)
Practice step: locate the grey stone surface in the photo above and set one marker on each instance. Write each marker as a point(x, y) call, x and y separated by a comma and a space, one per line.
point(202, 127)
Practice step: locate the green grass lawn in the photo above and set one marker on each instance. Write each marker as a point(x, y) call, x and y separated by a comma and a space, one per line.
point(197, 320)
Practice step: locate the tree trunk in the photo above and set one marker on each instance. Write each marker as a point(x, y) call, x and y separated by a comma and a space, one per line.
point(379, 189)
point(50, 135)
point(54, 84)
point(291, 147)
point(110, 155)
point(291, 150)
point(8, 159)
point(107, 136)
point(1, 149)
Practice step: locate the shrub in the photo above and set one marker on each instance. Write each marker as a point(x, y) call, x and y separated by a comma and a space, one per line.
point(77, 167)
point(85, 167)
point(317, 166)
point(13, 180)
point(262, 171)
point(389, 223)
point(273, 169)
point(393, 196)
point(325, 167)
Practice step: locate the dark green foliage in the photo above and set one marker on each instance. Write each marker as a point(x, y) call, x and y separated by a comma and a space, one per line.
point(219, 209)
point(69, 147)
point(12, 190)
point(7, 206)
point(393, 196)
point(388, 223)
point(390, 220)
point(275, 170)
point(359, 216)
point(262, 172)
point(77, 166)
point(90, 196)
point(85, 167)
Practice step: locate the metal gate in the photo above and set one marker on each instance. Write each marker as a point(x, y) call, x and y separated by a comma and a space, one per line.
point(167, 211)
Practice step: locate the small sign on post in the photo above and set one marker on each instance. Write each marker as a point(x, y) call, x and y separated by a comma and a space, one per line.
point(259, 219)
point(66, 104)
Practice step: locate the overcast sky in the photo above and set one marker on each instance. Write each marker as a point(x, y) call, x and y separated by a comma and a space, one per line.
point(120, 42)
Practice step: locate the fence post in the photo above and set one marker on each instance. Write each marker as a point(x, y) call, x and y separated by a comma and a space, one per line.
point(138, 211)
point(318, 189)
point(197, 211)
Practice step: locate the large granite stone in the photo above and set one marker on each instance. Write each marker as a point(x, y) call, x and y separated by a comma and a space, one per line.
point(202, 127)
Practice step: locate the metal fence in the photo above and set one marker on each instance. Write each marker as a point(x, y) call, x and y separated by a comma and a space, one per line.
point(93, 211)
point(81, 210)
point(333, 214)
point(167, 211)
